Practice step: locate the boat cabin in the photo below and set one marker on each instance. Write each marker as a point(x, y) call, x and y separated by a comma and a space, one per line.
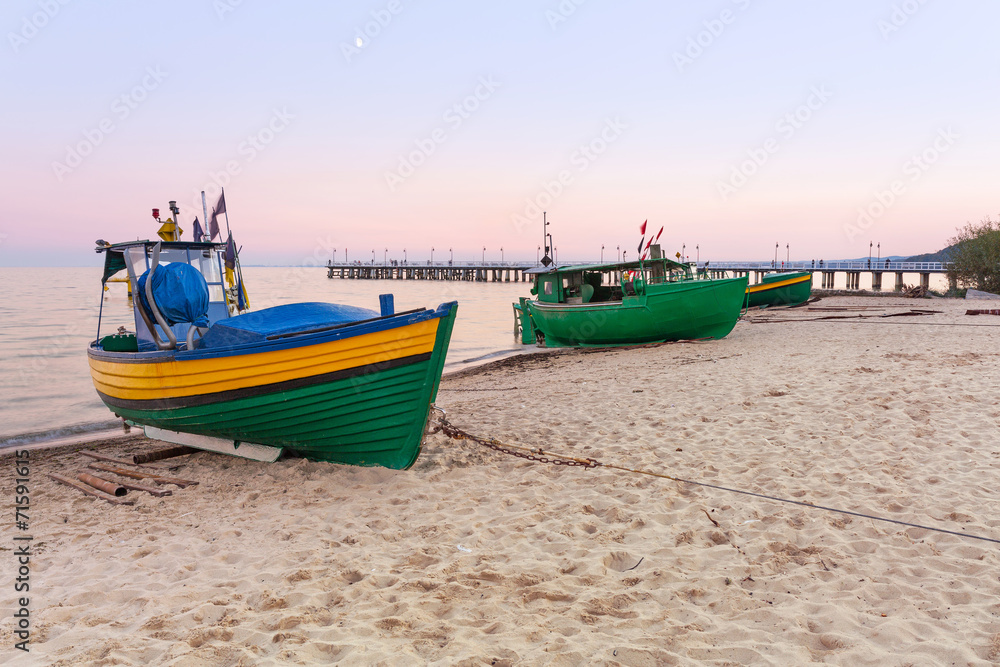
point(137, 257)
point(603, 283)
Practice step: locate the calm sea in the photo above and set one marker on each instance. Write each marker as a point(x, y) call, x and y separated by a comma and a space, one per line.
point(49, 315)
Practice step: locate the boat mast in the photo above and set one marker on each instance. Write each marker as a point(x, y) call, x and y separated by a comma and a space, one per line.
point(177, 223)
point(204, 210)
point(546, 241)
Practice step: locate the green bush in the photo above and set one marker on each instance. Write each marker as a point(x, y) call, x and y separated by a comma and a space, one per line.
point(975, 260)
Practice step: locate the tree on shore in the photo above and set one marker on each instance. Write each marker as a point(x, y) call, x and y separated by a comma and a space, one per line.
point(975, 260)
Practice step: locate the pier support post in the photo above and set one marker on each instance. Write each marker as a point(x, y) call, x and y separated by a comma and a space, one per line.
point(925, 280)
point(899, 281)
point(877, 281)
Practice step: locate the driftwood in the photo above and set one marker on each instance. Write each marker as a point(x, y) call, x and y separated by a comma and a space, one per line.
point(914, 292)
point(992, 311)
point(105, 457)
point(159, 479)
point(89, 490)
point(161, 454)
point(102, 484)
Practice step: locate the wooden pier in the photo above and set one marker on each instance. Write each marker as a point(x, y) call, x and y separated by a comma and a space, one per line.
point(828, 271)
point(499, 272)
point(482, 273)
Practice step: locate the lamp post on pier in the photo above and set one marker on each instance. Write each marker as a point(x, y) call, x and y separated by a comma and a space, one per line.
point(870, 244)
point(432, 255)
point(619, 248)
point(697, 253)
point(484, 255)
point(373, 256)
point(501, 254)
point(385, 257)
point(878, 246)
point(404, 255)
point(775, 262)
point(683, 256)
point(788, 254)
point(602, 254)
point(538, 253)
point(334, 255)
point(452, 256)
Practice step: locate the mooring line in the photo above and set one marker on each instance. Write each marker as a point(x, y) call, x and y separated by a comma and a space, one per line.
point(879, 320)
point(543, 456)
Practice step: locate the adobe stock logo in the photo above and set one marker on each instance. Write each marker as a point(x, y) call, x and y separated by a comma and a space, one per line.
point(121, 108)
point(562, 12)
point(900, 16)
point(913, 171)
point(455, 116)
point(584, 156)
point(704, 39)
point(31, 26)
point(787, 126)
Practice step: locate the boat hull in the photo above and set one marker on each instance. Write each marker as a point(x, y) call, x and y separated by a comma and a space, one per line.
point(786, 289)
point(358, 397)
point(682, 310)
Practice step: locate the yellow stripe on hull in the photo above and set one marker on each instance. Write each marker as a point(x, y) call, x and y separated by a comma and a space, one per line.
point(760, 287)
point(172, 378)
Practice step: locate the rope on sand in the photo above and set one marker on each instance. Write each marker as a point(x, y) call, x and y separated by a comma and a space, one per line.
point(543, 456)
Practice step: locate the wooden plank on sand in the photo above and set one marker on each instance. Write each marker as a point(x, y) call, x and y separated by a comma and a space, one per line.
point(89, 490)
point(105, 457)
point(159, 479)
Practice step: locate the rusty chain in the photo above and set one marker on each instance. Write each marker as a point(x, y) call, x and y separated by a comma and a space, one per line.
point(539, 455)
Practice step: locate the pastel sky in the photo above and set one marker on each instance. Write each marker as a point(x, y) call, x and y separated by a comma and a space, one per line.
point(398, 124)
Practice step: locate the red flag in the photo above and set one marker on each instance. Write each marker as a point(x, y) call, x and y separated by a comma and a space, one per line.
point(658, 234)
point(642, 227)
point(649, 243)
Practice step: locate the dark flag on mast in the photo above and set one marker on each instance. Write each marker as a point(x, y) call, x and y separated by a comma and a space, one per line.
point(230, 254)
point(213, 227)
point(197, 231)
point(642, 230)
point(213, 224)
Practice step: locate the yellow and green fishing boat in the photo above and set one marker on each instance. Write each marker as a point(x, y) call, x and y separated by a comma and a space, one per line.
point(324, 381)
point(780, 289)
point(627, 303)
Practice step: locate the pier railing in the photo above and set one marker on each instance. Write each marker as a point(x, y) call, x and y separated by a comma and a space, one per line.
point(822, 265)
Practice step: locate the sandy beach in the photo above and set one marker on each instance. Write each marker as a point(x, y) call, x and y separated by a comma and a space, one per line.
point(474, 557)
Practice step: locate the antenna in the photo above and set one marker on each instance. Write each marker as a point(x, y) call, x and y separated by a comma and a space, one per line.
point(546, 240)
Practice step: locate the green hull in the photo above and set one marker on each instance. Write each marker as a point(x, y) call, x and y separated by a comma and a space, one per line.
point(376, 417)
point(781, 295)
point(682, 310)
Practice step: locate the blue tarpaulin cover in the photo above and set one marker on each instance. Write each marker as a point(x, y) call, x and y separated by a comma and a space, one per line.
point(180, 292)
point(255, 327)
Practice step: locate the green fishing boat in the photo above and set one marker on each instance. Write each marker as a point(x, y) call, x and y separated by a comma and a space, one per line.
point(329, 382)
point(780, 289)
point(627, 303)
